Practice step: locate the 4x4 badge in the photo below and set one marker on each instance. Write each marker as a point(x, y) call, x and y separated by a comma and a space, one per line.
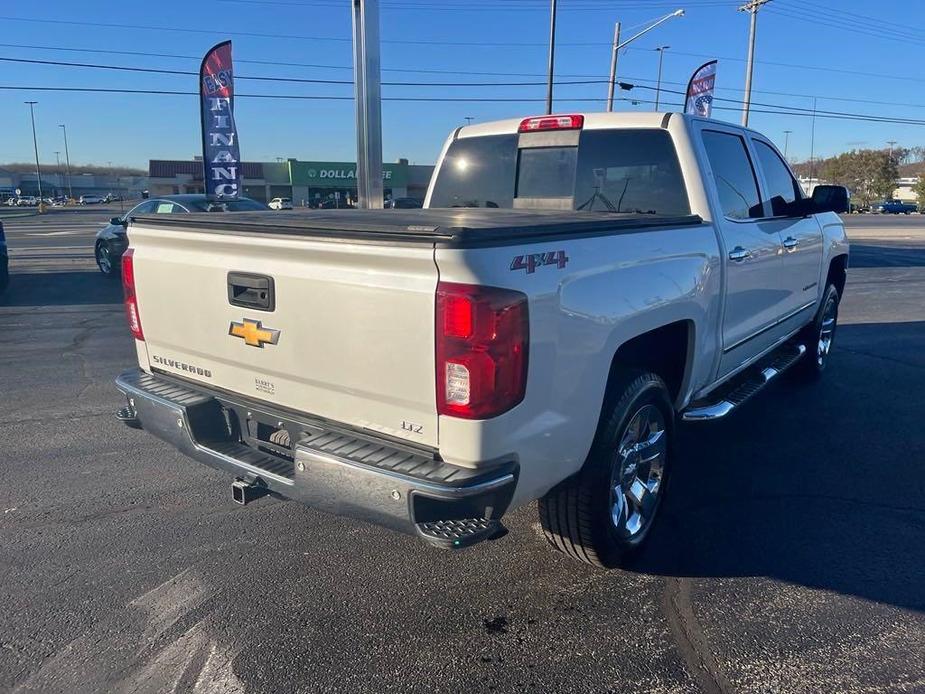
point(253, 333)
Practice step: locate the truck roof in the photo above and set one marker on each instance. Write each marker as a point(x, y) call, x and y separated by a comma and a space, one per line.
point(457, 227)
point(593, 121)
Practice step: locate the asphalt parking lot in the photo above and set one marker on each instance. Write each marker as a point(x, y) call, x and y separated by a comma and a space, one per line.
point(790, 556)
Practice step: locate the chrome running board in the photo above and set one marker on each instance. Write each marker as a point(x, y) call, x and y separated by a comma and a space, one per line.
point(742, 388)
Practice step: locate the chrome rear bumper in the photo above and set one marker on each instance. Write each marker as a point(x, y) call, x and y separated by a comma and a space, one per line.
point(328, 467)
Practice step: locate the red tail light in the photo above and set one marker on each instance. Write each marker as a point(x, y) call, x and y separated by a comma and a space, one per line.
point(529, 125)
point(131, 301)
point(482, 339)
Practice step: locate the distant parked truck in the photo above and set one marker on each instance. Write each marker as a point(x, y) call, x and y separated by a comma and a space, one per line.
point(894, 207)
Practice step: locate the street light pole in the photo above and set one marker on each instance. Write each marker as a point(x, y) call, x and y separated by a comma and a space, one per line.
point(617, 46)
point(658, 84)
point(368, 101)
point(786, 142)
point(35, 144)
point(67, 158)
point(552, 55)
point(613, 66)
point(752, 7)
point(57, 170)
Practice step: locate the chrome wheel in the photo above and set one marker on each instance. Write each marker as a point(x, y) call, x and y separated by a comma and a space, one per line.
point(826, 331)
point(103, 259)
point(637, 472)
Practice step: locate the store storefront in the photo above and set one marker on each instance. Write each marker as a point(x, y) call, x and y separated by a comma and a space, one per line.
point(316, 181)
point(307, 183)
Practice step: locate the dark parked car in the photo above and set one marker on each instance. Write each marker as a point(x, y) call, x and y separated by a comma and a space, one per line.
point(112, 240)
point(403, 204)
point(335, 204)
point(4, 261)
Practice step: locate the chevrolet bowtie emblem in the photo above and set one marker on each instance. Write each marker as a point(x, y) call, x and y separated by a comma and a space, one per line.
point(253, 333)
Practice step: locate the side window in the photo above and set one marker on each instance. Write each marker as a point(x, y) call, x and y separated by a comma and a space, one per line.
point(734, 176)
point(143, 208)
point(782, 188)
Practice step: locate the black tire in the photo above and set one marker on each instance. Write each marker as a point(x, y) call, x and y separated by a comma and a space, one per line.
point(578, 515)
point(819, 338)
point(105, 261)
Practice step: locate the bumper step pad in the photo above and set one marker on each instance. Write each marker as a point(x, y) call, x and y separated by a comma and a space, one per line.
point(455, 534)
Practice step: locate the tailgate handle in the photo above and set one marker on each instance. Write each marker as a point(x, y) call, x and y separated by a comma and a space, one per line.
point(251, 291)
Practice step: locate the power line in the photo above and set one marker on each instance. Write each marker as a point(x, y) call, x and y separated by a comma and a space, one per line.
point(301, 37)
point(822, 68)
point(501, 74)
point(845, 25)
point(809, 111)
point(861, 24)
point(463, 99)
point(879, 21)
point(301, 80)
point(350, 82)
point(607, 7)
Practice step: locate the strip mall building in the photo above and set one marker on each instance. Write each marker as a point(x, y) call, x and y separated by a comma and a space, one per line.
point(305, 182)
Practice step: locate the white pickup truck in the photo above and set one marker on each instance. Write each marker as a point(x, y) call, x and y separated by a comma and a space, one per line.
point(574, 287)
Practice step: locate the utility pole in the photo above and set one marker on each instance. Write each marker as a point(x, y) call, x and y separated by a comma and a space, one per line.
point(552, 55)
point(786, 142)
point(613, 66)
point(812, 148)
point(368, 100)
point(67, 158)
point(468, 119)
point(35, 144)
point(752, 7)
point(617, 46)
point(891, 143)
point(658, 84)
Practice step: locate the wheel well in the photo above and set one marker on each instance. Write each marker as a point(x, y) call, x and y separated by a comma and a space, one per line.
point(663, 351)
point(837, 273)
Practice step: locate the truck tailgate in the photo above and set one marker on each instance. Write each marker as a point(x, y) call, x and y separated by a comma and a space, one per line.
point(355, 322)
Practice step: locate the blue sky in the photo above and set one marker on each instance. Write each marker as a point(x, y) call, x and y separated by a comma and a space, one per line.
point(863, 51)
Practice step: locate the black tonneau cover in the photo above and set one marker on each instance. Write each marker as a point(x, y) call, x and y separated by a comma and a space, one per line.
point(457, 227)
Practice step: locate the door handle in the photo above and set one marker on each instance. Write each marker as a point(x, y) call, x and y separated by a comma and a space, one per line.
point(790, 243)
point(739, 254)
point(251, 291)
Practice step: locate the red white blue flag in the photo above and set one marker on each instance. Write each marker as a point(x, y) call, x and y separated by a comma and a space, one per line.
point(221, 155)
point(699, 101)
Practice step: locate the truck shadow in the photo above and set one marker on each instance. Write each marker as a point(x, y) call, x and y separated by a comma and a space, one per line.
point(71, 288)
point(886, 254)
point(818, 485)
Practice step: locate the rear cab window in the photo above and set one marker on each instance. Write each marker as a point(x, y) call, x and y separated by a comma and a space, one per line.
point(628, 170)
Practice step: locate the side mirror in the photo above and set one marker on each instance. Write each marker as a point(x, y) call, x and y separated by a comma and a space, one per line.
point(118, 221)
point(830, 199)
